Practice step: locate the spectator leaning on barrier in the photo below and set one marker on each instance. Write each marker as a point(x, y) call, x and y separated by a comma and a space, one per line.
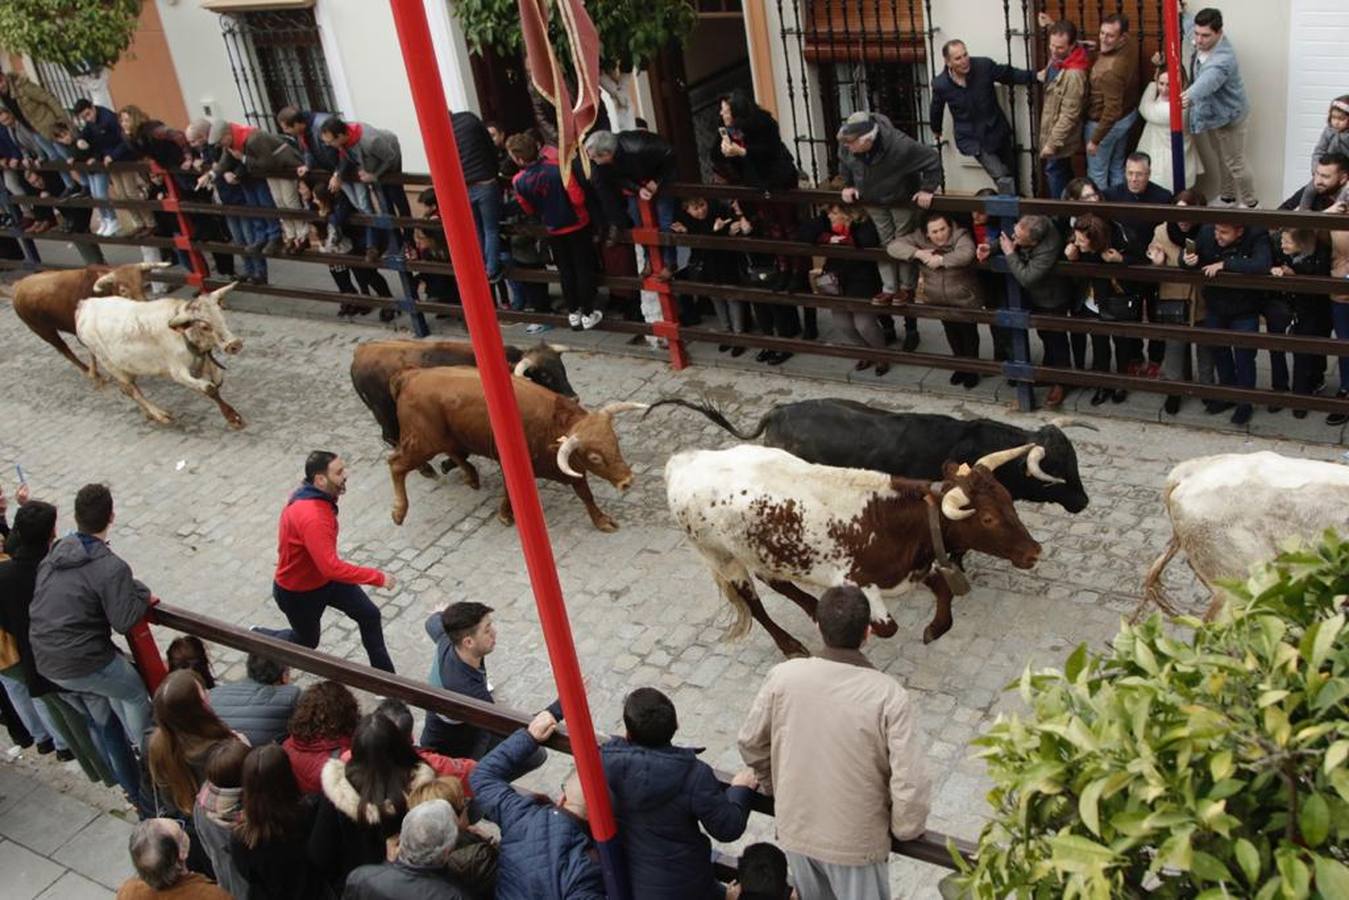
point(1032, 252)
point(159, 849)
point(311, 577)
point(1178, 301)
point(425, 842)
point(251, 234)
point(1216, 99)
point(836, 822)
point(36, 109)
point(1138, 187)
point(1112, 108)
point(634, 166)
point(1242, 250)
point(948, 278)
point(704, 218)
point(261, 704)
point(83, 593)
point(397, 712)
point(1329, 185)
point(271, 160)
point(1300, 252)
point(1098, 241)
point(547, 852)
point(895, 176)
point(100, 133)
point(982, 131)
point(131, 185)
point(368, 156)
point(539, 188)
point(478, 160)
point(1064, 105)
point(848, 226)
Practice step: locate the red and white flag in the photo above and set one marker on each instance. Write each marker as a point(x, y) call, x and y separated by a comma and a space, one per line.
point(574, 119)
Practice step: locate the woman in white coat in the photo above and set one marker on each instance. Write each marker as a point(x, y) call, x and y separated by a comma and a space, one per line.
point(1155, 108)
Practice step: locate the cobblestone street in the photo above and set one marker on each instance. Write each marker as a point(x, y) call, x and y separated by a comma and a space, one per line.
point(197, 506)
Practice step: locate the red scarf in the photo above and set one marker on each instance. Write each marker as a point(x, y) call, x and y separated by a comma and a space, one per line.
point(354, 132)
point(239, 134)
point(1078, 59)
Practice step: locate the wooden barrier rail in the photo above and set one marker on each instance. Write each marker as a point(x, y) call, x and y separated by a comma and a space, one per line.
point(931, 848)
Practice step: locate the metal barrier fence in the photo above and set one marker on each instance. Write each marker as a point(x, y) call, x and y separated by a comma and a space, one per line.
point(933, 847)
point(1012, 315)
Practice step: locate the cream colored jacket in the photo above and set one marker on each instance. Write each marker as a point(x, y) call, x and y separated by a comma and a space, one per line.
point(833, 740)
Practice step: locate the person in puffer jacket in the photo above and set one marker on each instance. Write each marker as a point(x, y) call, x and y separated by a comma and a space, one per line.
point(261, 704)
point(547, 852)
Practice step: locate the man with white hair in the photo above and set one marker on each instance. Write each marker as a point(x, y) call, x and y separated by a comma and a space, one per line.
point(159, 854)
point(425, 842)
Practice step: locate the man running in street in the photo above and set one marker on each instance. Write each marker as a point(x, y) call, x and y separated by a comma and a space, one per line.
point(310, 576)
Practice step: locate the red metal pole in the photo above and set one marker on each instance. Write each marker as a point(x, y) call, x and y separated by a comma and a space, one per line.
point(1171, 25)
point(428, 97)
point(145, 653)
point(649, 237)
point(183, 239)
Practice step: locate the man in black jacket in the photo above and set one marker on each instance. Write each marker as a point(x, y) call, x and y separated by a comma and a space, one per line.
point(1231, 248)
point(478, 160)
point(981, 128)
point(633, 165)
point(1032, 253)
point(1138, 187)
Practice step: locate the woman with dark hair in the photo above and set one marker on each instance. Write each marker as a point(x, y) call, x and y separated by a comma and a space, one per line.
point(320, 728)
point(751, 153)
point(217, 810)
point(1096, 240)
point(364, 799)
point(188, 652)
point(29, 540)
point(186, 733)
point(268, 844)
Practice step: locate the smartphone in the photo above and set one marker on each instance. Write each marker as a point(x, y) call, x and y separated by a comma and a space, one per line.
point(722, 131)
point(1191, 246)
point(18, 469)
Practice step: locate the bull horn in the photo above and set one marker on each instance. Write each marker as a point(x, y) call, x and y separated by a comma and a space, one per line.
point(992, 460)
point(147, 266)
point(564, 456)
point(956, 505)
point(105, 281)
point(220, 292)
point(522, 368)
point(614, 409)
point(1070, 422)
point(182, 320)
point(559, 348)
point(1033, 459)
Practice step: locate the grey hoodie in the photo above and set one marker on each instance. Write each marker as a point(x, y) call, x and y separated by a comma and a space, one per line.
point(84, 591)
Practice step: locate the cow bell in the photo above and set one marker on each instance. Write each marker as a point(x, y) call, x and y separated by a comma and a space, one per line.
point(955, 579)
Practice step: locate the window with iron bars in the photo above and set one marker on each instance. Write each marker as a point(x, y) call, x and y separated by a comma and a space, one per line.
point(893, 89)
point(277, 60)
point(59, 83)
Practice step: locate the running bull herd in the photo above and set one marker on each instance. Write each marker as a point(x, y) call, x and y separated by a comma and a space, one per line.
point(839, 492)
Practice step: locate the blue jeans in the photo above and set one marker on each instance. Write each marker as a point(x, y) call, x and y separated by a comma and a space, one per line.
point(1058, 172)
point(256, 193)
point(1339, 315)
point(239, 234)
point(98, 189)
point(304, 611)
point(665, 215)
point(485, 201)
point(117, 687)
point(112, 744)
point(1235, 366)
point(57, 153)
point(1106, 167)
point(33, 716)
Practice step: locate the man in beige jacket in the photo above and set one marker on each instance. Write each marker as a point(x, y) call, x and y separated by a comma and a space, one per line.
point(1065, 102)
point(832, 739)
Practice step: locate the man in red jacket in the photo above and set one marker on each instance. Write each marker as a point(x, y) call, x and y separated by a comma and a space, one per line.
point(310, 576)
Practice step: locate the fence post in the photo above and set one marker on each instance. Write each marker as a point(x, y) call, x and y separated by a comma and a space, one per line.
point(184, 238)
point(668, 327)
point(1014, 316)
point(31, 259)
point(393, 259)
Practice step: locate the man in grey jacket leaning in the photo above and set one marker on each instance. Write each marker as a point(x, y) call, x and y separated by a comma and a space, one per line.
point(84, 592)
point(894, 176)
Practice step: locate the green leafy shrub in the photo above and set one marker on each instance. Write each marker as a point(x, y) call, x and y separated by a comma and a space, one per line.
point(82, 35)
point(1210, 767)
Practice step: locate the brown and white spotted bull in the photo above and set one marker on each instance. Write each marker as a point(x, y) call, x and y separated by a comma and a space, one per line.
point(46, 301)
point(762, 512)
point(443, 410)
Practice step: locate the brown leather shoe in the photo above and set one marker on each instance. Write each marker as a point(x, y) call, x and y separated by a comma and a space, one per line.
point(1055, 397)
point(884, 298)
point(903, 295)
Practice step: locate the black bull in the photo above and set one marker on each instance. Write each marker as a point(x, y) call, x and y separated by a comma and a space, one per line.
point(852, 435)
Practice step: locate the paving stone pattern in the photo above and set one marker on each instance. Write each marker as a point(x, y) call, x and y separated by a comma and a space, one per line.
point(197, 508)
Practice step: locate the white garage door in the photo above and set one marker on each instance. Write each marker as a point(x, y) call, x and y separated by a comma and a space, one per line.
point(1318, 36)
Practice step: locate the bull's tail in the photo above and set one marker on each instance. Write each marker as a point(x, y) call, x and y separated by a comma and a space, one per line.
point(711, 412)
point(733, 590)
point(1153, 592)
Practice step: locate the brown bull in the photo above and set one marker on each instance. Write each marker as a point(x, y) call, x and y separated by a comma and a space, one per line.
point(443, 410)
point(46, 301)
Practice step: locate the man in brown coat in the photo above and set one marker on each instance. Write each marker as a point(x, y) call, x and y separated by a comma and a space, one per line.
point(1065, 102)
point(159, 853)
point(832, 739)
point(1113, 107)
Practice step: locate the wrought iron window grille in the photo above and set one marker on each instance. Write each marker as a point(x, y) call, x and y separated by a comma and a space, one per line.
point(277, 60)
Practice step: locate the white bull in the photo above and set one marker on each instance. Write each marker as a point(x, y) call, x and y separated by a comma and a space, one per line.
point(169, 338)
point(1233, 511)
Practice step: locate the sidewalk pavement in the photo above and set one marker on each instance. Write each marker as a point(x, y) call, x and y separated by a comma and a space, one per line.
point(54, 846)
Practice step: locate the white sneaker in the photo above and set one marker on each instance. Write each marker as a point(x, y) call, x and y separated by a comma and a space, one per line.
point(574, 320)
point(591, 320)
point(537, 328)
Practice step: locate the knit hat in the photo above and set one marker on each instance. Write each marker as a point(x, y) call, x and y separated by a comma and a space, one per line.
point(857, 125)
point(219, 128)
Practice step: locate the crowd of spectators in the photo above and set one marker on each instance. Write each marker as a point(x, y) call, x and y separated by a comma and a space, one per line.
point(1104, 134)
point(258, 789)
